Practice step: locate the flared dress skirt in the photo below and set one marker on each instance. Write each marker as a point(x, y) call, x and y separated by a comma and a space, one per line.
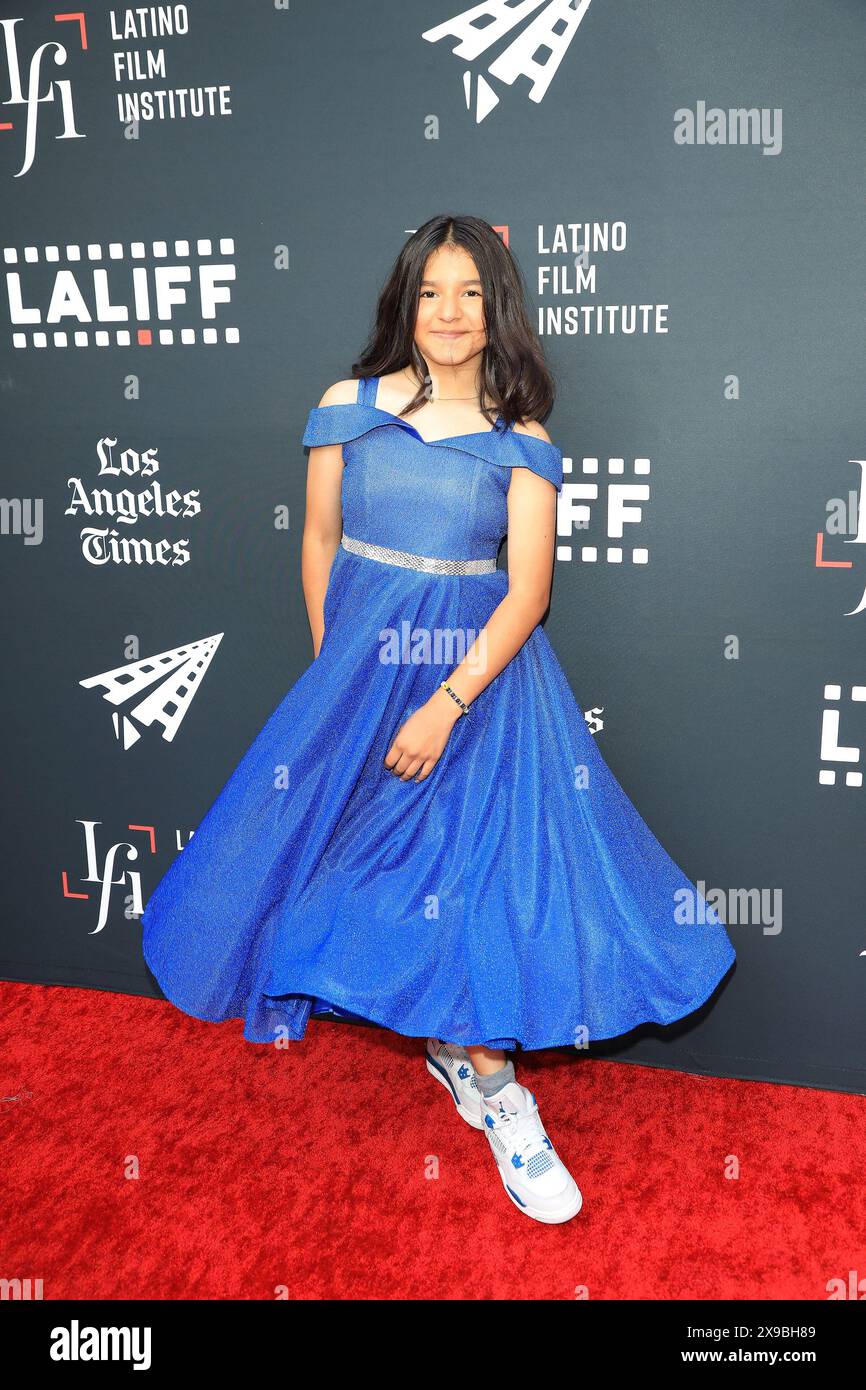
point(515, 896)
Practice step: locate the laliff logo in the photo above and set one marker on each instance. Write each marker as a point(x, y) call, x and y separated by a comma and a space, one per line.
point(833, 750)
point(599, 504)
point(58, 97)
point(176, 676)
point(535, 52)
point(95, 289)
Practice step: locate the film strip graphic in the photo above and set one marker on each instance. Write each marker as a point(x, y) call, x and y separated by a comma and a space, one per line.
point(588, 488)
point(162, 277)
point(176, 676)
point(548, 27)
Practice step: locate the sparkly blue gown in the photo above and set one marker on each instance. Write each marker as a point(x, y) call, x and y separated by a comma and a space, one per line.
point(510, 898)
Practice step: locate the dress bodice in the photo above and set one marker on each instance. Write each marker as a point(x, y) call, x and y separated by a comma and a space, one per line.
point(442, 497)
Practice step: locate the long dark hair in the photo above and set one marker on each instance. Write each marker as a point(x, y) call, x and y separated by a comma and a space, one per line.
point(514, 373)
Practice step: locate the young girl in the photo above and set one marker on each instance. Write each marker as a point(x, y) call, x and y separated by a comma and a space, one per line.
point(424, 834)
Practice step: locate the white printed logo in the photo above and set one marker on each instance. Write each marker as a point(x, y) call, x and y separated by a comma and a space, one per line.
point(176, 674)
point(121, 294)
point(31, 99)
point(535, 52)
point(833, 751)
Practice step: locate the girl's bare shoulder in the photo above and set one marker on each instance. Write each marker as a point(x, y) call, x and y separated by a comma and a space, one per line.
point(341, 393)
point(534, 428)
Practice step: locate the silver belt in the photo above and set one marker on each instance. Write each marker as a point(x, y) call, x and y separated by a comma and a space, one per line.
point(428, 564)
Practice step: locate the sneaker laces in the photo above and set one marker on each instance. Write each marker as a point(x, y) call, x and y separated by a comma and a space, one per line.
point(524, 1131)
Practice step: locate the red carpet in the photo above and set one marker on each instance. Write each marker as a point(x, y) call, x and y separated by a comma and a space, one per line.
point(304, 1169)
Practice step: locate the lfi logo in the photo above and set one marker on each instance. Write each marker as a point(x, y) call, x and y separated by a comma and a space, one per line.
point(59, 93)
point(845, 517)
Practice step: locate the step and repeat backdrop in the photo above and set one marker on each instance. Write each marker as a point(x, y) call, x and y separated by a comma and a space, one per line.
point(199, 204)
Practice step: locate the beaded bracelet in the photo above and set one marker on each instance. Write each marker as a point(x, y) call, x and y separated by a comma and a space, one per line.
point(445, 686)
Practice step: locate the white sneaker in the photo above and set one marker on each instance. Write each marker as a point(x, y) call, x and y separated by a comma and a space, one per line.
point(533, 1175)
point(450, 1064)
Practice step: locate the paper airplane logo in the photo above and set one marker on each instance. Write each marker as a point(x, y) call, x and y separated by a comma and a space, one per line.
point(545, 31)
point(170, 680)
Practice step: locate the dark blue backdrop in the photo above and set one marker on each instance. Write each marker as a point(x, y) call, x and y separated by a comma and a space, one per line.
point(196, 223)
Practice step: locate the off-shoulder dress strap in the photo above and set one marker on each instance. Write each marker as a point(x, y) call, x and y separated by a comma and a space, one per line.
point(339, 424)
point(365, 395)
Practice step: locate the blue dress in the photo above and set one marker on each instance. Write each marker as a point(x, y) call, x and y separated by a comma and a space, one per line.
point(515, 896)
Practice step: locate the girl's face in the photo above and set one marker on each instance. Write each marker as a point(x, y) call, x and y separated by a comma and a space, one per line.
point(449, 329)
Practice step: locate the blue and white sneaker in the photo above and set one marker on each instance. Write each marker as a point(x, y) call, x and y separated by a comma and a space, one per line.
point(450, 1064)
point(533, 1175)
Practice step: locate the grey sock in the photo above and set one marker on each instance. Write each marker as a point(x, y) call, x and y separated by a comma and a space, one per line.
point(489, 1085)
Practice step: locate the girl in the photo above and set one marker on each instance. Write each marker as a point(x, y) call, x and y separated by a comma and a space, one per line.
point(424, 834)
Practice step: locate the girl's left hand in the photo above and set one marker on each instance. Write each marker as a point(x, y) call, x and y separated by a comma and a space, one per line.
point(420, 742)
